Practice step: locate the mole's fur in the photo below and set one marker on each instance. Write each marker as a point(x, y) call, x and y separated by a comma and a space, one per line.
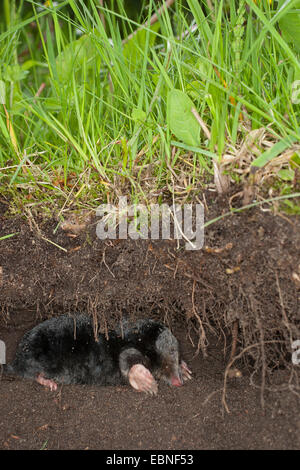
point(64, 350)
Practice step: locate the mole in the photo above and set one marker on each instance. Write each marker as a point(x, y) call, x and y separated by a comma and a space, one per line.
point(65, 350)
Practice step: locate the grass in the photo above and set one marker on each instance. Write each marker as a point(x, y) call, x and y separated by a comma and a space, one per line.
point(85, 109)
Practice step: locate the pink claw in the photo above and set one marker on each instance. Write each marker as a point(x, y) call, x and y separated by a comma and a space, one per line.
point(185, 371)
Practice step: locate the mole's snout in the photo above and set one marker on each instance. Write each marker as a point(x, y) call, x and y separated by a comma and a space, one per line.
point(176, 381)
point(180, 375)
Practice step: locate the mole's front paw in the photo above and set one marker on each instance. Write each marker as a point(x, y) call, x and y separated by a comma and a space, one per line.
point(142, 380)
point(46, 382)
point(185, 371)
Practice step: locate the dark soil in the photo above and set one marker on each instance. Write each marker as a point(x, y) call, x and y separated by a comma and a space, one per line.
point(245, 280)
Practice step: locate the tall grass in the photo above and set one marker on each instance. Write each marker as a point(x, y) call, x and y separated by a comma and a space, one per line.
point(83, 109)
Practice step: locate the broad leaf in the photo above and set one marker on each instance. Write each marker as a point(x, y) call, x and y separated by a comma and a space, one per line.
point(74, 56)
point(134, 49)
point(289, 25)
point(138, 115)
point(180, 118)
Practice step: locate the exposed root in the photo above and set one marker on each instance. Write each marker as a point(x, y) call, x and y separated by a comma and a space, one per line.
point(202, 336)
point(263, 363)
point(292, 387)
point(284, 315)
point(234, 372)
point(234, 339)
point(251, 346)
point(104, 262)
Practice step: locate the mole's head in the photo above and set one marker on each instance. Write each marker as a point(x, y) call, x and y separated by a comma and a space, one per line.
point(166, 346)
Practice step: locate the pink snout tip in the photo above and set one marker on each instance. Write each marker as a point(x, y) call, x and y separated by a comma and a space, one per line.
point(176, 381)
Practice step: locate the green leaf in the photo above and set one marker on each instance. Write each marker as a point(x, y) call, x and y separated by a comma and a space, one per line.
point(286, 174)
point(134, 49)
point(73, 57)
point(272, 152)
point(295, 161)
point(138, 115)
point(2, 92)
point(14, 73)
point(196, 90)
point(289, 25)
point(180, 118)
point(8, 236)
point(28, 64)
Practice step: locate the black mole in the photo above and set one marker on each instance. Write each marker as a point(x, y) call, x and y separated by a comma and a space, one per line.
point(64, 350)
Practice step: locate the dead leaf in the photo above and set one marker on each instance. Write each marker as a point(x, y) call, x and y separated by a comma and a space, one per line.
point(43, 427)
point(221, 180)
point(233, 270)
point(218, 250)
point(296, 278)
point(249, 192)
point(234, 372)
point(71, 235)
point(76, 248)
point(73, 227)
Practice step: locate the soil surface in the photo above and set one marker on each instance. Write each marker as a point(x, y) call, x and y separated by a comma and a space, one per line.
point(237, 297)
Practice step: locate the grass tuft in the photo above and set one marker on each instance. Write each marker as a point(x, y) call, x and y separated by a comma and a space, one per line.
point(85, 109)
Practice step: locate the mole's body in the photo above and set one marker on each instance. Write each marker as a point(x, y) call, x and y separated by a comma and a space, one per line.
point(64, 350)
